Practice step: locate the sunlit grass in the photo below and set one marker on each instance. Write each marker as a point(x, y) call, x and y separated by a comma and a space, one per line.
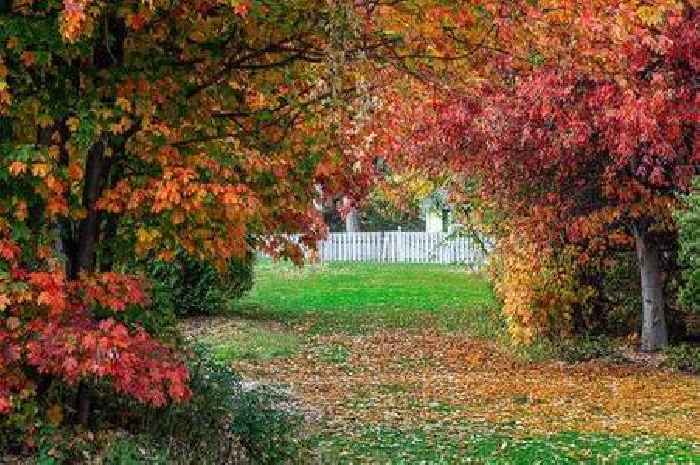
point(237, 340)
point(356, 297)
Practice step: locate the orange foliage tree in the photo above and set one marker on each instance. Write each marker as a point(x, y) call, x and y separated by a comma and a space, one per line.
point(149, 127)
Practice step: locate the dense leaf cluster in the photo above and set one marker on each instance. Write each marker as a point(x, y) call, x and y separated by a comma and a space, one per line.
point(571, 127)
point(132, 130)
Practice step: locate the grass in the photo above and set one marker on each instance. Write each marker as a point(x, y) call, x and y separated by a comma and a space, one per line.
point(432, 445)
point(386, 355)
point(255, 344)
point(333, 353)
point(360, 297)
point(241, 340)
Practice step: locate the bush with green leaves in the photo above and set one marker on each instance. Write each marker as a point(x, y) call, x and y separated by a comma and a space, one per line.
point(585, 348)
point(689, 254)
point(224, 421)
point(190, 286)
point(576, 349)
point(683, 357)
point(614, 311)
point(618, 303)
point(65, 446)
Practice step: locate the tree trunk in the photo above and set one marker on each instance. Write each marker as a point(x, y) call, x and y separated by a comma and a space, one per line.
point(84, 258)
point(81, 245)
point(89, 228)
point(351, 223)
point(654, 332)
point(83, 404)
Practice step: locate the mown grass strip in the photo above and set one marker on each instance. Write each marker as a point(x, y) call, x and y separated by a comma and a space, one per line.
point(359, 297)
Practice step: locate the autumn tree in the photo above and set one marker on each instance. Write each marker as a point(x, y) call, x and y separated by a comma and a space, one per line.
point(576, 121)
point(146, 128)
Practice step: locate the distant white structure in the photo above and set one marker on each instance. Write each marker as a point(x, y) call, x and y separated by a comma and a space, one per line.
point(437, 213)
point(434, 220)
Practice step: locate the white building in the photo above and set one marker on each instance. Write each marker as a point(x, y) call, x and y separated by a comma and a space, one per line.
point(437, 212)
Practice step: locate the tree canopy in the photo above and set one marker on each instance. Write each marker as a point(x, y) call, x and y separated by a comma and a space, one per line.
point(576, 123)
point(145, 128)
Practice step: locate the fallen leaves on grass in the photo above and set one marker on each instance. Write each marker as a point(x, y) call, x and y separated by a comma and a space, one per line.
point(399, 378)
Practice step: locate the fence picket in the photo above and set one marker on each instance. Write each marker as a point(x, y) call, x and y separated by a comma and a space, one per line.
point(398, 246)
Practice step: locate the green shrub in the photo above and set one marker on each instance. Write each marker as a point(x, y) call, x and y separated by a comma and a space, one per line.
point(683, 357)
point(191, 287)
point(134, 450)
point(19, 425)
point(619, 296)
point(58, 446)
point(582, 349)
point(267, 427)
point(689, 253)
point(64, 446)
point(616, 310)
point(224, 421)
point(572, 350)
point(539, 350)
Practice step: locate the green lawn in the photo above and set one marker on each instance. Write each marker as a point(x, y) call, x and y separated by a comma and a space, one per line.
point(356, 297)
point(324, 324)
point(432, 445)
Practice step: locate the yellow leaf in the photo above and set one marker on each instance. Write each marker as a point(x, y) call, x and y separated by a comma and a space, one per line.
point(13, 323)
point(123, 103)
point(17, 167)
point(54, 152)
point(650, 16)
point(178, 217)
point(73, 124)
point(21, 212)
point(55, 415)
point(4, 301)
point(44, 121)
point(40, 169)
point(78, 214)
point(12, 43)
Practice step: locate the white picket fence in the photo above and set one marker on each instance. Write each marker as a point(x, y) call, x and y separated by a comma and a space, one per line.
point(399, 247)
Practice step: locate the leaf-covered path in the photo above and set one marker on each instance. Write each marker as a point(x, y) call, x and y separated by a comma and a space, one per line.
point(423, 390)
point(400, 377)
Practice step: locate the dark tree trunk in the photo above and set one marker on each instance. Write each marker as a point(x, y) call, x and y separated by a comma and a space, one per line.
point(107, 249)
point(106, 54)
point(83, 404)
point(89, 229)
point(654, 332)
point(84, 258)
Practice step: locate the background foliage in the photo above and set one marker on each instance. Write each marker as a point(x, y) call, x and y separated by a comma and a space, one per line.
point(689, 238)
point(192, 287)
